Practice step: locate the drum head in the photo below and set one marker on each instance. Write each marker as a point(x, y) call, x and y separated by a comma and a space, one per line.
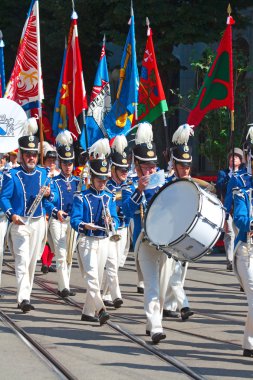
point(171, 212)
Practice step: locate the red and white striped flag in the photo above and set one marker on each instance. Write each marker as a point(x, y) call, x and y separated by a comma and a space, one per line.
point(25, 85)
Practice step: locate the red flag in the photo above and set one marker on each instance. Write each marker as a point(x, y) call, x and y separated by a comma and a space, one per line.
point(151, 99)
point(73, 95)
point(46, 125)
point(217, 90)
point(25, 85)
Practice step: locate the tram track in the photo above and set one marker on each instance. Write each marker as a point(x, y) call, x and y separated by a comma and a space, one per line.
point(114, 324)
point(182, 367)
point(61, 371)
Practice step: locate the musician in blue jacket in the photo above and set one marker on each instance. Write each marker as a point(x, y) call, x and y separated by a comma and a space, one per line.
point(235, 176)
point(117, 250)
point(21, 187)
point(243, 260)
point(63, 188)
point(93, 216)
point(154, 264)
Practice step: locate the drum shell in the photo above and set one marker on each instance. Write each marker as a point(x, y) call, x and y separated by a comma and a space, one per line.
point(203, 230)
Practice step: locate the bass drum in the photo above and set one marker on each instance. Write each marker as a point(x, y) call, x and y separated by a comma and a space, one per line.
point(183, 220)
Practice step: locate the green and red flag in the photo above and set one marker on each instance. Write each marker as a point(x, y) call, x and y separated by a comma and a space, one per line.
point(217, 89)
point(151, 98)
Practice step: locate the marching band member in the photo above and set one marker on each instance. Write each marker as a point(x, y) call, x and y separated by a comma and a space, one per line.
point(62, 192)
point(154, 264)
point(117, 249)
point(93, 213)
point(49, 161)
point(3, 227)
point(22, 188)
point(175, 295)
point(227, 179)
point(243, 260)
point(13, 157)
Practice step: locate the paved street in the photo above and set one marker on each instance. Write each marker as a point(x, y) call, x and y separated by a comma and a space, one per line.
point(209, 342)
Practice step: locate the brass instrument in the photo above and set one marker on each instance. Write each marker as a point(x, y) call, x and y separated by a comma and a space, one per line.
point(109, 224)
point(204, 185)
point(37, 200)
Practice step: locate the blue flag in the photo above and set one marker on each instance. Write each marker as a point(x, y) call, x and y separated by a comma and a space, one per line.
point(100, 105)
point(119, 119)
point(59, 118)
point(2, 70)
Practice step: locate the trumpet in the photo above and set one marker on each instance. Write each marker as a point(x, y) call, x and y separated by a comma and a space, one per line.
point(109, 224)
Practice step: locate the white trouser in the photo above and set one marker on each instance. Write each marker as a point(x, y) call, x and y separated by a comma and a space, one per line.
point(229, 238)
point(125, 245)
point(140, 280)
point(116, 250)
point(175, 294)
point(155, 267)
point(244, 268)
point(3, 229)
point(60, 232)
point(92, 254)
point(27, 245)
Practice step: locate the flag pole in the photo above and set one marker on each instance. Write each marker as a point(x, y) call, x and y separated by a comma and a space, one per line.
point(39, 83)
point(232, 112)
point(2, 70)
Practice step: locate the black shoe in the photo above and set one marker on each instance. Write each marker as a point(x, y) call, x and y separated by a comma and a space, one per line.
point(64, 293)
point(71, 293)
point(103, 317)
point(229, 266)
point(117, 303)
point(157, 337)
point(108, 303)
point(170, 314)
point(140, 290)
point(51, 269)
point(88, 318)
point(25, 306)
point(248, 353)
point(147, 332)
point(186, 312)
point(44, 269)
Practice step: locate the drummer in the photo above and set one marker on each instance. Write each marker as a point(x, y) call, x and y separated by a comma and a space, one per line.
point(176, 298)
point(154, 264)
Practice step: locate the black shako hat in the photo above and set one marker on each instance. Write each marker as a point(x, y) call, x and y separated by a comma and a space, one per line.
point(64, 147)
point(182, 154)
point(144, 149)
point(119, 154)
point(29, 142)
point(99, 159)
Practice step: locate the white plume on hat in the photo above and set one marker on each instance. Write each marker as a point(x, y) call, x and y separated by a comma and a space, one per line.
point(100, 149)
point(144, 134)
point(182, 134)
point(64, 138)
point(31, 126)
point(250, 133)
point(119, 144)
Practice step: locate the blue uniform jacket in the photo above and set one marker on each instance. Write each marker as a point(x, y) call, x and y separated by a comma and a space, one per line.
point(240, 179)
point(131, 201)
point(62, 193)
point(88, 208)
point(222, 182)
point(242, 217)
point(19, 190)
point(115, 188)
